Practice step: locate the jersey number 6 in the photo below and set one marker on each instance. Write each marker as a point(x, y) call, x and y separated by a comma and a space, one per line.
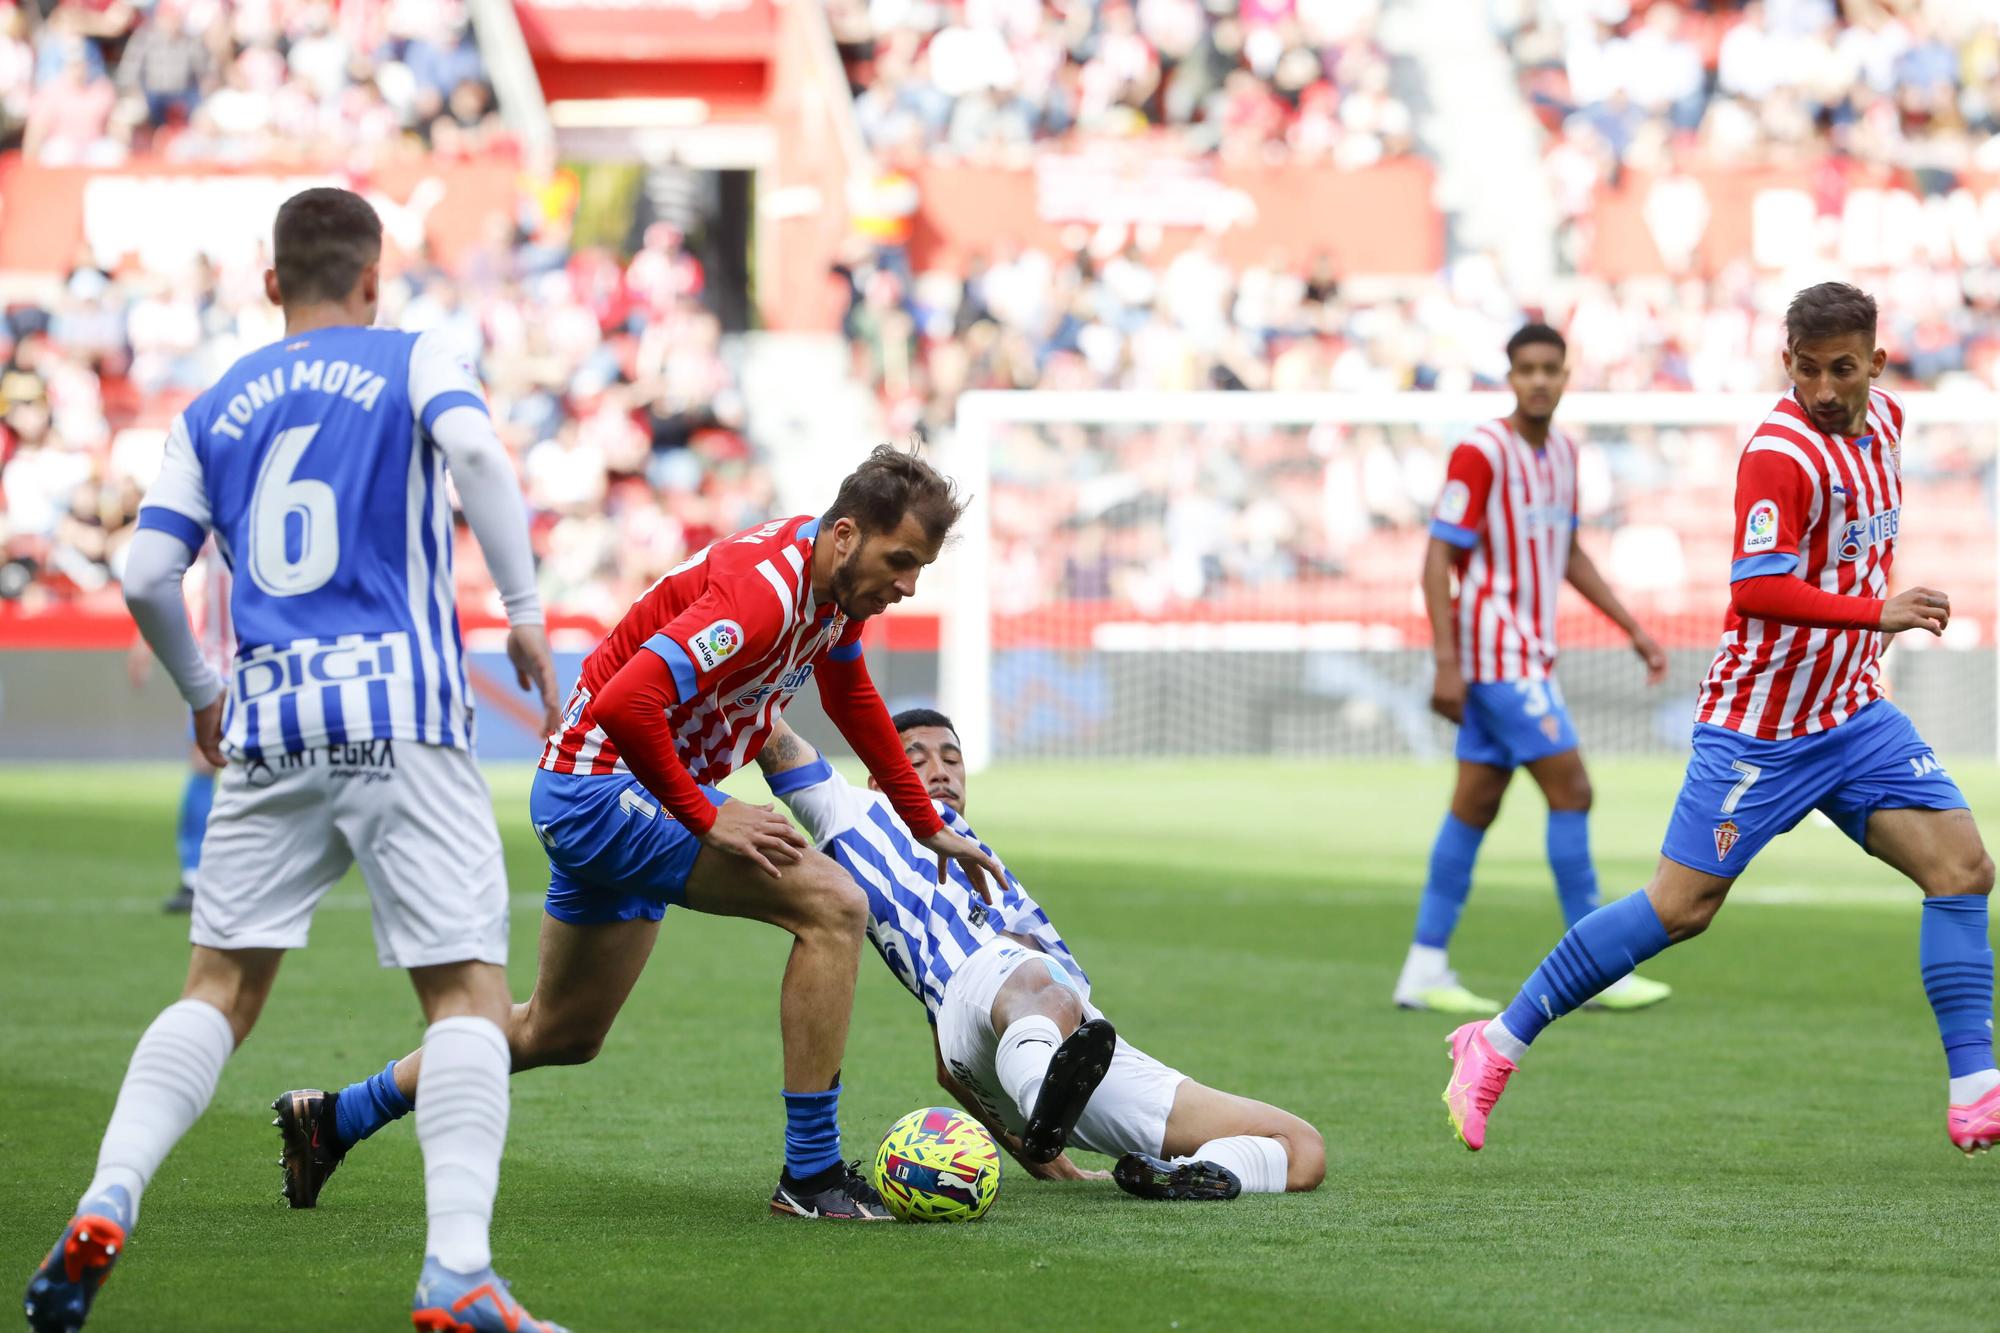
point(279, 499)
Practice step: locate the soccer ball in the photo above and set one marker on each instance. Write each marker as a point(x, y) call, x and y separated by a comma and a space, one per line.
point(937, 1165)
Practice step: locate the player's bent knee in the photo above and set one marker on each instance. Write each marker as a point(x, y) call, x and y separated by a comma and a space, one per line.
point(1305, 1158)
point(1971, 876)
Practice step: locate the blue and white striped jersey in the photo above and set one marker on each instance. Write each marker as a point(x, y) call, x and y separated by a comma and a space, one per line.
point(311, 462)
point(924, 930)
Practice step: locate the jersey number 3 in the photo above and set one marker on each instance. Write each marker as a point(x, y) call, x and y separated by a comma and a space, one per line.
point(284, 505)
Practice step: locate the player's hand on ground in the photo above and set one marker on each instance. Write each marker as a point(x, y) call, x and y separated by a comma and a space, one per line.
point(208, 731)
point(1448, 693)
point(758, 834)
point(535, 669)
point(1061, 1169)
point(976, 862)
point(1916, 608)
point(1651, 654)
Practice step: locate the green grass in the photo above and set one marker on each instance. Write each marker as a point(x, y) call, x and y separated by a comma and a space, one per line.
point(1767, 1150)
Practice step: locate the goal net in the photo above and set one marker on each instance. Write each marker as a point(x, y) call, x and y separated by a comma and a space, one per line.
point(1237, 573)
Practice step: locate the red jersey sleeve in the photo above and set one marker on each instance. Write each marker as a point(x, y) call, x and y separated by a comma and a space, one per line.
point(1774, 504)
point(852, 703)
point(1774, 500)
point(632, 710)
point(734, 620)
point(1461, 504)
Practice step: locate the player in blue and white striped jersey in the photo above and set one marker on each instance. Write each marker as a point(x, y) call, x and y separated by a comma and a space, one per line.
point(1018, 1042)
point(318, 465)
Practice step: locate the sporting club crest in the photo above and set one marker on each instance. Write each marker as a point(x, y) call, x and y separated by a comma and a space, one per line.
point(1726, 834)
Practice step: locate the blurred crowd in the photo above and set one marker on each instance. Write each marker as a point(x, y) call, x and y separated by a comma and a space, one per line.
point(91, 81)
point(1658, 85)
point(1619, 84)
point(606, 379)
point(1330, 521)
point(1111, 313)
point(613, 386)
point(1300, 80)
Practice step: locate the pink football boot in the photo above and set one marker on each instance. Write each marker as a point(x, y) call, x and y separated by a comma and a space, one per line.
point(1479, 1075)
point(1975, 1128)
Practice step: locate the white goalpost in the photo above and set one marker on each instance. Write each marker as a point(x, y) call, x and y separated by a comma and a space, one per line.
point(1153, 574)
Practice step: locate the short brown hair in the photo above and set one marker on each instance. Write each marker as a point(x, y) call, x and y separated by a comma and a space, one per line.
point(321, 241)
point(892, 484)
point(1827, 311)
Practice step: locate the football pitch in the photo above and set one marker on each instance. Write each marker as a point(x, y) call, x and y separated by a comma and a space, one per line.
point(1767, 1149)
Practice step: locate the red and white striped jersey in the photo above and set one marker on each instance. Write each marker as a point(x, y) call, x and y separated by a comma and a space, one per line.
point(737, 627)
point(1512, 509)
point(1826, 508)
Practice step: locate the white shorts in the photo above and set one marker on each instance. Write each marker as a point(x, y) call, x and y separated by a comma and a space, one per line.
point(1129, 1110)
point(419, 820)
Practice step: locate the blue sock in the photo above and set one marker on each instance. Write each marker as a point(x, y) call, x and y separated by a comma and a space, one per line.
point(1449, 882)
point(196, 797)
point(1569, 858)
point(1598, 950)
point(364, 1107)
point(1957, 964)
point(812, 1132)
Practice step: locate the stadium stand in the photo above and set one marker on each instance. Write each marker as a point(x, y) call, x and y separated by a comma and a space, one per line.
point(612, 377)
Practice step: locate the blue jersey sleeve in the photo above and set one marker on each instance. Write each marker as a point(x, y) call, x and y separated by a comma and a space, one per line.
point(177, 502)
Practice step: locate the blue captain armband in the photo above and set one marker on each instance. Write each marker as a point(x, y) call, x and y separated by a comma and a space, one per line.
point(1759, 566)
point(678, 662)
point(174, 524)
point(1463, 538)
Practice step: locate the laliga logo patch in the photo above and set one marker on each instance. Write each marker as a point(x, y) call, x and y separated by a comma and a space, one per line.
point(1760, 528)
point(716, 644)
point(1726, 834)
point(1453, 502)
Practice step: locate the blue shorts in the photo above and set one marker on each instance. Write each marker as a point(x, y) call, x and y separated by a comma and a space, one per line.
point(613, 856)
point(1509, 723)
point(1741, 792)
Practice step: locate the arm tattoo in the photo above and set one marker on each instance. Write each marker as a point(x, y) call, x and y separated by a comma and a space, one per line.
point(780, 753)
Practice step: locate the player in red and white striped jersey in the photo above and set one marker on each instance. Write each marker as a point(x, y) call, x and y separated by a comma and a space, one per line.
point(682, 693)
point(1506, 524)
point(1791, 719)
point(1810, 507)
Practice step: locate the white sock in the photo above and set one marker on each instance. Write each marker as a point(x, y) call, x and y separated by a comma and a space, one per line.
point(1022, 1061)
point(1258, 1162)
point(1969, 1088)
point(462, 1126)
point(167, 1087)
point(1505, 1042)
point(1423, 966)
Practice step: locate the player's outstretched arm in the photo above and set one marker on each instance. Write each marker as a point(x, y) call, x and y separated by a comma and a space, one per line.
point(784, 750)
point(1588, 580)
point(852, 703)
